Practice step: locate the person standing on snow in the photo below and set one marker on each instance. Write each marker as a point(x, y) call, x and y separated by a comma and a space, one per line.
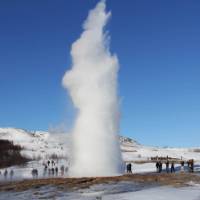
point(172, 167)
point(167, 166)
point(157, 166)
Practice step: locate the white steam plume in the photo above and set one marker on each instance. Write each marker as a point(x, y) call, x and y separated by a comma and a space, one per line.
point(92, 85)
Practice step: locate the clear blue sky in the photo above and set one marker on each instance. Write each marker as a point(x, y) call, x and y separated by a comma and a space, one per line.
point(158, 45)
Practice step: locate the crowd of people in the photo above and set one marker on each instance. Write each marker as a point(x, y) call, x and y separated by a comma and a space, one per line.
point(190, 166)
point(159, 167)
point(51, 169)
point(169, 166)
point(7, 174)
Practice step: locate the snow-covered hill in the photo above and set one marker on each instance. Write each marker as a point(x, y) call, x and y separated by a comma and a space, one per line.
point(39, 144)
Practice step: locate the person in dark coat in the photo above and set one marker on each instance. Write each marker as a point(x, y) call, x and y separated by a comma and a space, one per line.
point(167, 166)
point(157, 166)
point(49, 171)
point(129, 168)
point(45, 170)
point(192, 165)
point(11, 174)
point(56, 170)
point(34, 173)
point(52, 163)
point(182, 166)
point(160, 167)
point(62, 169)
point(52, 171)
point(5, 173)
point(172, 167)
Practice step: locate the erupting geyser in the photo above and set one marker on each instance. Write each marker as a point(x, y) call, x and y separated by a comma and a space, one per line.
point(92, 85)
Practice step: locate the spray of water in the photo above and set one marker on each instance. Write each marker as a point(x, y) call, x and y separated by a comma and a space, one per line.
point(92, 86)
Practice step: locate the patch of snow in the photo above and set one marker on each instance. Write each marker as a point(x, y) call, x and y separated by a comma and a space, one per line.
point(159, 193)
point(38, 144)
point(118, 191)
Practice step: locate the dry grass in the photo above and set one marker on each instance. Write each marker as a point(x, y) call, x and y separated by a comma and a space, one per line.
point(177, 180)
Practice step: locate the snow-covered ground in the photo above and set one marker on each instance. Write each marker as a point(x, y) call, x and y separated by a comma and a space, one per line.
point(129, 191)
point(38, 144)
point(24, 171)
point(159, 193)
point(41, 146)
point(118, 191)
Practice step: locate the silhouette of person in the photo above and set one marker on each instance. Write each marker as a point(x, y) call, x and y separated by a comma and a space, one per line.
point(167, 166)
point(160, 167)
point(129, 168)
point(11, 174)
point(172, 167)
point(157, 166)
point(5, 173)
point(56, 170)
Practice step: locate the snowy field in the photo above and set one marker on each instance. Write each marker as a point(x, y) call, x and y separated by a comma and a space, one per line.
point(42, 145)
point(119, 191)
point(24, 172)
